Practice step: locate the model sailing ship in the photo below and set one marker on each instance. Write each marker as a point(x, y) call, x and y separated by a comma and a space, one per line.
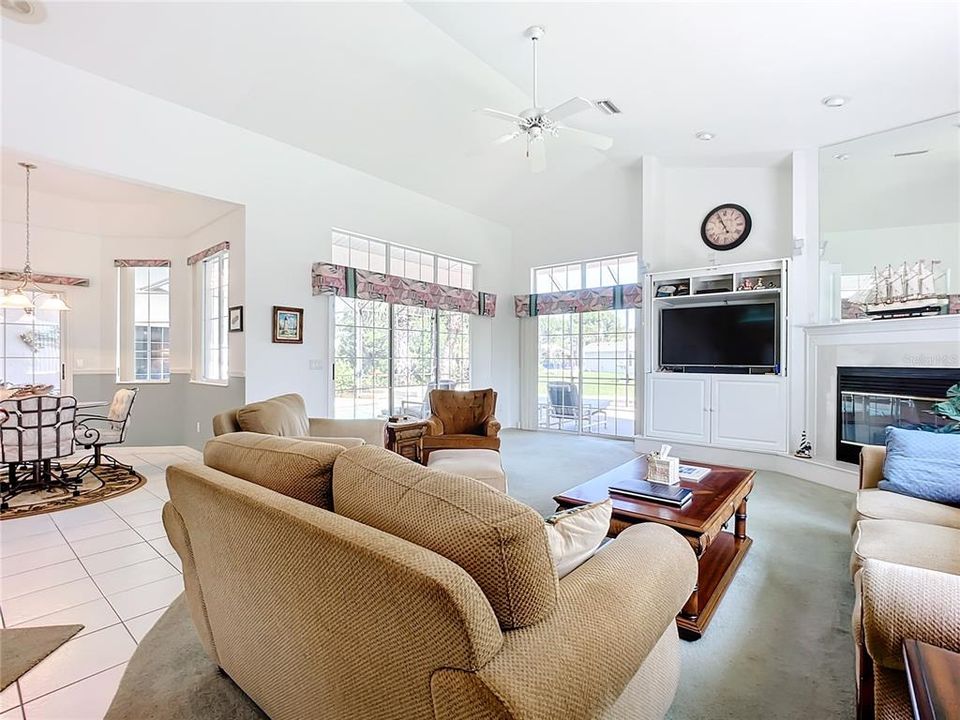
point(906, 291)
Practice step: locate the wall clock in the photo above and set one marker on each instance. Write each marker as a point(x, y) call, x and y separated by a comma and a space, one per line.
point(726, 227)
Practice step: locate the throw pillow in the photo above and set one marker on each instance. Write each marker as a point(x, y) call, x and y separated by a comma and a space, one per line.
point(576, 534)
point(922, 464)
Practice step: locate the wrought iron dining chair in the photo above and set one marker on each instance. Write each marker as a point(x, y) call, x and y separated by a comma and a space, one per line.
point(98, 431)
point(35, 431)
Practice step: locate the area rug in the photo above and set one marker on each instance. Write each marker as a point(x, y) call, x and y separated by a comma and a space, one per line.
point(22, 648)
point(170, 677)
point(116, 481)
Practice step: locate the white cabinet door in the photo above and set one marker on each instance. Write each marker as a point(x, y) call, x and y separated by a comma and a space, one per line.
point(748, 413)
point(678, 407)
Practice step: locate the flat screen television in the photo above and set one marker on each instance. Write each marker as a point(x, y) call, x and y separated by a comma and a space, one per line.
point(741, 335)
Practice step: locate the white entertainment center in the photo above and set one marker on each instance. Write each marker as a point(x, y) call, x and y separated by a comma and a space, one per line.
point(737, 407)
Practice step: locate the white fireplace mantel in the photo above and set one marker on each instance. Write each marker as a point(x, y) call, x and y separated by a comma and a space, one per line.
point(906, 342)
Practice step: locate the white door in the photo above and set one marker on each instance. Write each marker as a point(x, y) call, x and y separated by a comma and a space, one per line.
point(677, 407)
point(749, 413)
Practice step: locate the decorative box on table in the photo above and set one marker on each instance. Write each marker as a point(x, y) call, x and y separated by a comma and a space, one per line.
point(662, 467)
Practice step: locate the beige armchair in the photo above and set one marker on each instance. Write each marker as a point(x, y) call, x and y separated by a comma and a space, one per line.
point(286, 416)
point(461, 419)
point(426, 596)
point(906, 568)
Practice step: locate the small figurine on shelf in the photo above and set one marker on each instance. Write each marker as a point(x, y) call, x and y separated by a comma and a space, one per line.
point(747, 284)
point(805, 449)
point(760, 285)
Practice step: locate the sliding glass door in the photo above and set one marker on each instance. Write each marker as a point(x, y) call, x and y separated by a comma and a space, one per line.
point(587, 372)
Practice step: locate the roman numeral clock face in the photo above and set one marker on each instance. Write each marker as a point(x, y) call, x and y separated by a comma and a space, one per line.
point(725, 227)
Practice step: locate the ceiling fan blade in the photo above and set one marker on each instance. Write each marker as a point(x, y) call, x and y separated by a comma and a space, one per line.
point(500, 115)
point(571, 107)
point(506, 138)
point(537, 154)
point(600, 142)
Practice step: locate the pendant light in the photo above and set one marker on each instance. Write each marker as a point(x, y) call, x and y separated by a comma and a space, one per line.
point(19, 297)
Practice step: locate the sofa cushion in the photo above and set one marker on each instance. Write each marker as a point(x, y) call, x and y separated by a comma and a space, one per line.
point(299, 469)
point(906, 543)
point(344, 442)
point(876, 504)
point(498, 540)
point(285, 415)
point(923, 464)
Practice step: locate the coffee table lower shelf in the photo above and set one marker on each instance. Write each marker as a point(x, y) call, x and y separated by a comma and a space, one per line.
point(717, 566)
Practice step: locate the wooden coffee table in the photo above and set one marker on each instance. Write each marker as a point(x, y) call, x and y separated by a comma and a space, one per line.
point(719, 496)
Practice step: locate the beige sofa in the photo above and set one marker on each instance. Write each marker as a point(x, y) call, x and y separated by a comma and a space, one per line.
point(906, 568)
point(425, 596)
point(286, 416)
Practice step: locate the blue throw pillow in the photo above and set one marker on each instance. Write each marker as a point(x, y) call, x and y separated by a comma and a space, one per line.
point(922, 464)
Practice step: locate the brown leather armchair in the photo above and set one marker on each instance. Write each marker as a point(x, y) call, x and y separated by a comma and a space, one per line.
point(461, 419)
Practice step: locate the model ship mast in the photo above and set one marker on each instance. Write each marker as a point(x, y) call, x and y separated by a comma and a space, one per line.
point(907, 291)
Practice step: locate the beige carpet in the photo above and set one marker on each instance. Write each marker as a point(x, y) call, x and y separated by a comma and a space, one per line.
point(22, 648)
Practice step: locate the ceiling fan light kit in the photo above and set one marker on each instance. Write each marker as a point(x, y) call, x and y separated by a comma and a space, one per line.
point(535, 124)
point(20, 297)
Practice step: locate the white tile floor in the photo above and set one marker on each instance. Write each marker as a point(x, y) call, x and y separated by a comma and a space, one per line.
point(107, 566)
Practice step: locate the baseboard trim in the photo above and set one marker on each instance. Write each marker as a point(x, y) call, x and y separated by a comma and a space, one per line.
point(811, 470)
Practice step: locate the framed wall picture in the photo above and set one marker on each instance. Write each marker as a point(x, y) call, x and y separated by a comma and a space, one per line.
point(287, 324)
point(235, 320)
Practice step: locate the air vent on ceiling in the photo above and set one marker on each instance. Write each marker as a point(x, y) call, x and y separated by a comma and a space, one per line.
point(911, 153)
point(607, 106)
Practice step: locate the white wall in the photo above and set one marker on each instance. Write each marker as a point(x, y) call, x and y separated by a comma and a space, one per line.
point(598, 215)
point(292, 199)
point(859, 251)
point(682, 196)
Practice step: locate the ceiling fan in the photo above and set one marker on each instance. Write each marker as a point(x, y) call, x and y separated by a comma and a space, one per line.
point(534, 124)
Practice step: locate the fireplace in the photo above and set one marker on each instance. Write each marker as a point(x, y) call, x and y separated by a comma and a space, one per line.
point(871, 398)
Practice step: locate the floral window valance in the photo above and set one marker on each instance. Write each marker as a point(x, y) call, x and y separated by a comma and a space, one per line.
point(332, 279)
point(128, 262)
point(614, 297)
point(210, 251)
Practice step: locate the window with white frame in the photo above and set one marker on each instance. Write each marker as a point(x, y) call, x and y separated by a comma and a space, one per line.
point(214, 310)
point(388, 357)
point(143, 324)
point(586, 377)
point(603, 272)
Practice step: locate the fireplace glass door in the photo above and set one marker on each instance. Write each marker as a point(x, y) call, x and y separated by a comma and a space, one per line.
point(866, 416)
point(871, 399)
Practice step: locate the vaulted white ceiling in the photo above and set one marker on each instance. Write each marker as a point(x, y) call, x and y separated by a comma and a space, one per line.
point(68, 199)
point(390, 88)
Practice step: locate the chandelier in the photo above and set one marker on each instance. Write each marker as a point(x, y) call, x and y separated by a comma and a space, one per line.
point(28, 296)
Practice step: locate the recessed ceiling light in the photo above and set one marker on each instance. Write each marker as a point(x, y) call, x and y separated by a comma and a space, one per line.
point(841, 156)
point(704, 135)
point(25, 11)
point(834, 101)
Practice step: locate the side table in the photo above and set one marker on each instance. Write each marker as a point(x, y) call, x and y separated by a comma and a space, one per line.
point(933, 676)
point(403, 437)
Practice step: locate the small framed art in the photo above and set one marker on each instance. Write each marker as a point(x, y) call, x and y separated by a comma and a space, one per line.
point(235, 319)
point(287, 324)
